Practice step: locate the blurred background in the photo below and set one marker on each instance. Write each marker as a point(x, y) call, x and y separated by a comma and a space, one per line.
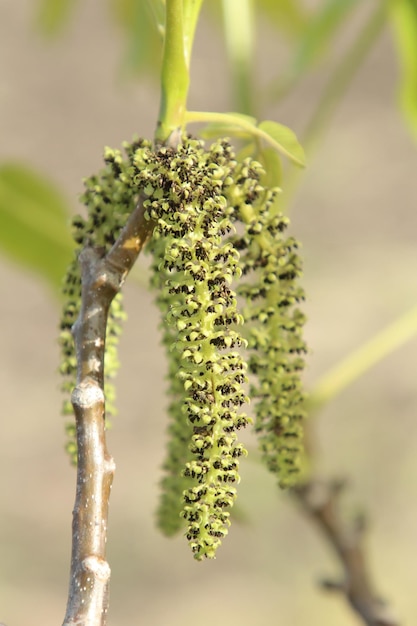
point(62, 100)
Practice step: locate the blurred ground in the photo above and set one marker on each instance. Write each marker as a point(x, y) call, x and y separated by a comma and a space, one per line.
point(356, 214)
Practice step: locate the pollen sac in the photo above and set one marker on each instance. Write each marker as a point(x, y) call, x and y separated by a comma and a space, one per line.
point(194, 267)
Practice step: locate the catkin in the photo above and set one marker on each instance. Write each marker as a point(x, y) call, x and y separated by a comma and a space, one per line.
point(199, 309)
point(270, 288)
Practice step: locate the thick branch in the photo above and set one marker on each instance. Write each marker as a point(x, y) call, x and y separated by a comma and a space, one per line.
point(102, 277)
point(320, 500)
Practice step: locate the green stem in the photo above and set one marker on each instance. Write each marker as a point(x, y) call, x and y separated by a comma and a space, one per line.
point(362, 359)
point(174, 74)
point(180, 22)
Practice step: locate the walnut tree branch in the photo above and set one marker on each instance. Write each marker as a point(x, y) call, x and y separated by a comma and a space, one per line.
point(321, 501)
point(102, 277)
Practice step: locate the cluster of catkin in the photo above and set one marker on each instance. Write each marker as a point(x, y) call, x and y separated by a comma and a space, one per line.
point(226, 280)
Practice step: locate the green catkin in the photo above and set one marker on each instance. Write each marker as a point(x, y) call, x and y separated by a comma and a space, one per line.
point(109, 197)
point(185, 202)
point(174, 482)
point(215, 233)
point(274, 323)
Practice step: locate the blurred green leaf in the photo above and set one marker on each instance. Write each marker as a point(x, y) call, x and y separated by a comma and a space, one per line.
point(274, 135)
point(344, 71)
point(34, 222)
point(287, 15)
point(53, 15)
point(143, 39)
point(403, 14)
point(284, 140)
point(230, 128)
point(157, 8)
point(267, 157)
point(239, 36)
point(321, 28)
point(271, 162)
point(247, 149)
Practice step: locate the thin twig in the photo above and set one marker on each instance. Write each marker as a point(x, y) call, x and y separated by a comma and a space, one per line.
point(102, 277)
point(320, 500)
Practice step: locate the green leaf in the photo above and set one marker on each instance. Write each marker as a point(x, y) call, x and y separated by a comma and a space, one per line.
point(277, 136)
point(143, 39)
point(157, 8)
point(284, 140)
point(288, 16)
point(271, 162)
point(53, 15)
point(247, 149)
point(191, 15)
point(403, 15)
point(231, 127)
point(322, 27)
point(239, 38)
point(34, 222)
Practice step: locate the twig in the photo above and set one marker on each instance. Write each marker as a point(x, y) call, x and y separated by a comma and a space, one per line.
point(320, 500)
point(102, 277)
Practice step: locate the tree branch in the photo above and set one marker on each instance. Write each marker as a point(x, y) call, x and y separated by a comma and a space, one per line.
point(102, 277)
point(320, 500)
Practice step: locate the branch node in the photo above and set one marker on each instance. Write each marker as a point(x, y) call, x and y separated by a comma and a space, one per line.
point(109, 465)
point(87, 394)
point(99, 568)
